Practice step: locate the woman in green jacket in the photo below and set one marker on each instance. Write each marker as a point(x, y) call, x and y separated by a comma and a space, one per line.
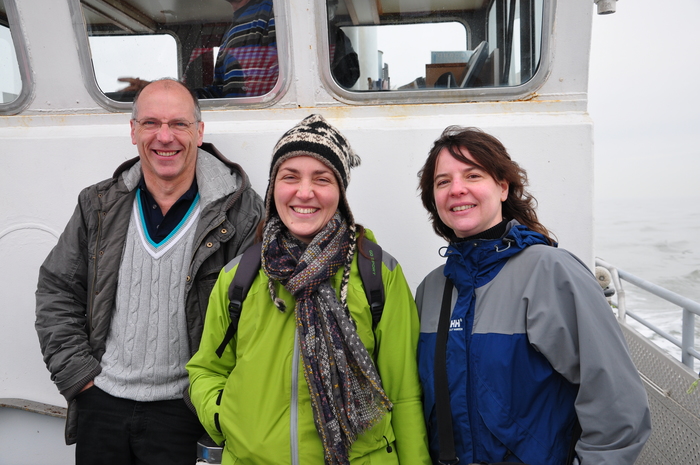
point(306, 378)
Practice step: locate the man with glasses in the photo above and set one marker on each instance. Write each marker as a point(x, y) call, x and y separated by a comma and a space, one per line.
point(121, 299)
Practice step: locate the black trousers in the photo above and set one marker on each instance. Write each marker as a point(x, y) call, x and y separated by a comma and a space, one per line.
point(118, 431)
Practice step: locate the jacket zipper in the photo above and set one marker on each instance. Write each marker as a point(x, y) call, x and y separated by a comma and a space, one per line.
point(294, 407)
point(469, 317)
point(96, 254)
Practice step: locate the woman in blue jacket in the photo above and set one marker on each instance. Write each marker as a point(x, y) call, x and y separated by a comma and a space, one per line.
point(527, 361)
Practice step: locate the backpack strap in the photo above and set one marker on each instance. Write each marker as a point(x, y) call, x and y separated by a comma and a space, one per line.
point(370, 268)
point(238, 290)
point(370, 273)
point(443, 409)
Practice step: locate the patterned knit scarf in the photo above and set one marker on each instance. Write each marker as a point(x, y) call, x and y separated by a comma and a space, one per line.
point(346, 390)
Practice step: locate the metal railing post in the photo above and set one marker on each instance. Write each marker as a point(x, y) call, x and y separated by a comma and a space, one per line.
point(621, 301)
point(688, 339)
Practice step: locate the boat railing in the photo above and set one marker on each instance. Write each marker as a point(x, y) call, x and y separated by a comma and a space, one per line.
point(690, 309)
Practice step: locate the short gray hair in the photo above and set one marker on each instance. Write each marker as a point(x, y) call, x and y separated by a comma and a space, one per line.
point(195, 100)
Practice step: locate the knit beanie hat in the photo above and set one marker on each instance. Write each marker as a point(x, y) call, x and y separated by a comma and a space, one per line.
point(314, 137)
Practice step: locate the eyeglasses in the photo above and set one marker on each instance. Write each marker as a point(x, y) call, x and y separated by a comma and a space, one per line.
point(153, 125)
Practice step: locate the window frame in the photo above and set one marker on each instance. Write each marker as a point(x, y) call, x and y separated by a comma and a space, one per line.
point(27, 92)
point(262, 101)
point(454, 95)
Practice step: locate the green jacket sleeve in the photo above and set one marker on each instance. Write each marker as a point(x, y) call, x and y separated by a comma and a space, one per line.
point(208, 373)
point(397, 339)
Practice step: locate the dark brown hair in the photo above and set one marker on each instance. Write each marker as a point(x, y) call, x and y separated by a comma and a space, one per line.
point(491, 156)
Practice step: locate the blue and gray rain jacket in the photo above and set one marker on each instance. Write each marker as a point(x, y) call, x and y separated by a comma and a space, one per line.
point(532, 345)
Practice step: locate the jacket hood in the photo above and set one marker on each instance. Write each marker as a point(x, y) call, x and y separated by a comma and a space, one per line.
point(487, 256)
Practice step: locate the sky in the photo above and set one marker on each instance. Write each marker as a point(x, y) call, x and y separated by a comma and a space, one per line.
point(644, 99)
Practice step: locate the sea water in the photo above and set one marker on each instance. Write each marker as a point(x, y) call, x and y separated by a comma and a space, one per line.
point(659, 241)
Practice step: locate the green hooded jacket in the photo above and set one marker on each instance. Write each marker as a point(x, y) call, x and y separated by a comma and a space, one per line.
point(255, 398)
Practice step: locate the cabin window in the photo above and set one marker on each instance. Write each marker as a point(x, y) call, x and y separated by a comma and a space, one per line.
point(119, 60)
point(226, 53)
point(10, 81)
point(394, 49)
point(14, 81)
